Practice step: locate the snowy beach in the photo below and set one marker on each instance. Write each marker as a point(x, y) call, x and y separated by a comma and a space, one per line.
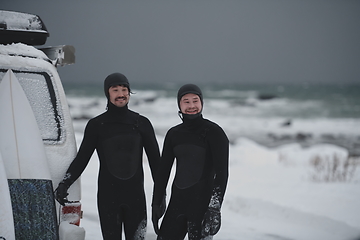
point(290, 191)
point(266, 199)
point(281, 78)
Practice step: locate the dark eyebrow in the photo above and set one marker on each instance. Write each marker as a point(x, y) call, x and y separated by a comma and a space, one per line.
point(115, 86)
point(190, 98)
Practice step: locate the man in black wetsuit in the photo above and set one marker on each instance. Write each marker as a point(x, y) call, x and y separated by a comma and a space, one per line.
point(201, 149)
point(119, 136)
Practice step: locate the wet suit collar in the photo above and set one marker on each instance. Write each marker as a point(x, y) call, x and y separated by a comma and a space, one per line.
point(117, 111)
point(191, 121)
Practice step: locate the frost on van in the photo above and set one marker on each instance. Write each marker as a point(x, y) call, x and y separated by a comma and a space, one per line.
point(46, 112)
point(21, 21)
point(20, 49)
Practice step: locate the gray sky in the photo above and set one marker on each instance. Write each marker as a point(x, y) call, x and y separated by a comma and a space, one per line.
point(245, 41)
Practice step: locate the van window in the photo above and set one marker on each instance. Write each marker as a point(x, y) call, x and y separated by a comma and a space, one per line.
point(40, 91)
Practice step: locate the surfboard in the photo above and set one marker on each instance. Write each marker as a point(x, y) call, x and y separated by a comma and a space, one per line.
point(7, 230)
point(21, 144)
point(25, 164)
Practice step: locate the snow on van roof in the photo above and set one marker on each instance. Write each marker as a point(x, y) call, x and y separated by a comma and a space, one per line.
point(20, 49)
point(21, 21)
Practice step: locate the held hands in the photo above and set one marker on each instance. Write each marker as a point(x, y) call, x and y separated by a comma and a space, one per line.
point(61, 194)
point(157, 213)
point(212, 222)
point(163, 206)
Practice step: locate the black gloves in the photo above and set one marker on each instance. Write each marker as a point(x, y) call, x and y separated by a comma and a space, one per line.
point(211, 222)
point(61, 193)
point(163, 206)
point(157, 213)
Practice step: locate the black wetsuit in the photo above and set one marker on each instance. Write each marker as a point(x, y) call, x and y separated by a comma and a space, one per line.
point(118, 135)
point(201, 149)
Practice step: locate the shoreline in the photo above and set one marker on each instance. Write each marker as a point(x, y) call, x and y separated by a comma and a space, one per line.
point(305, 140)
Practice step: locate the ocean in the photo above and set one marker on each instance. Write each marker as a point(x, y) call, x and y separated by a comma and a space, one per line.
point(269, 114)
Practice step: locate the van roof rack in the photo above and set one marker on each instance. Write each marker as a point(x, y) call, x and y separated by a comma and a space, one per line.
point(17, 27)
point(60, 55)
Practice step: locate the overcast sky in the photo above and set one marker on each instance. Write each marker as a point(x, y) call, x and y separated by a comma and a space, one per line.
point(313, 41)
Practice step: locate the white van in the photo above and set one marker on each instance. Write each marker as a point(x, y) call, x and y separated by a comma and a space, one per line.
point(36, 70)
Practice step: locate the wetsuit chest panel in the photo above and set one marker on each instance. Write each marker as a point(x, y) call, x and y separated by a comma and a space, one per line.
point(190, 161)
point(123, 154)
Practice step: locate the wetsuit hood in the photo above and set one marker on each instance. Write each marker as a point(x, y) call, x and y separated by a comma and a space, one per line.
point(115, 79)
point(189, 88)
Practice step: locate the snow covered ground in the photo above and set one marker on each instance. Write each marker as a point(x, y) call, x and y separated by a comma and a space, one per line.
point(287, 193)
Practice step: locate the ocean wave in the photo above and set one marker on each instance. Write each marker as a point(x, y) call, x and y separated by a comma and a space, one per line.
point(270, 123)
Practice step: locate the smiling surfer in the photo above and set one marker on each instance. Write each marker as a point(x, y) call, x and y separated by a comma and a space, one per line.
point(201, 150)
point(119, 136)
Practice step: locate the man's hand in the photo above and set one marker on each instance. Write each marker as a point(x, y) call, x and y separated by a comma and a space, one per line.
point(61, 194)
point(163, 206)
point(211, 222)
point(157, 213)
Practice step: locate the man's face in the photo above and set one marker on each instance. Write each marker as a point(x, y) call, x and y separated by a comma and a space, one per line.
point(119, 95)
point(190, 104)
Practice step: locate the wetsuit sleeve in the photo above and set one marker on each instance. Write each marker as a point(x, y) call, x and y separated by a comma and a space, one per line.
point(83, 156)
point(150, 144)
point(219, 146)
point(163, 173)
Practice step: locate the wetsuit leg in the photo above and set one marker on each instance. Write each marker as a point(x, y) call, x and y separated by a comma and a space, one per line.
point(113, 214)
point(174, 224)
point(110, 218)
point(135, 218)
point(185, 213)
point(173, 228)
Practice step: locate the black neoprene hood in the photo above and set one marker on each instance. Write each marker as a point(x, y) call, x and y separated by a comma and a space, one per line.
point(115, 79)
point(189, 88)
